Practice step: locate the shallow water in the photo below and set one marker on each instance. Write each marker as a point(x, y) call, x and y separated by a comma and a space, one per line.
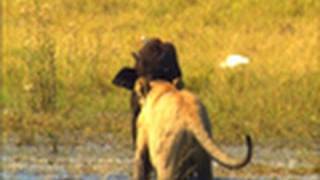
point(24, 175)
point(95, 162)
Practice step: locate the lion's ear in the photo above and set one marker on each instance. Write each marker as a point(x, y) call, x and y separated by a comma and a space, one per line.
point(141, 88)
point(178, 83)
point(125, 78)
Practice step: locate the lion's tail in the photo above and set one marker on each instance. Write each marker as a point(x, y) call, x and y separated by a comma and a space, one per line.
point(216, 153)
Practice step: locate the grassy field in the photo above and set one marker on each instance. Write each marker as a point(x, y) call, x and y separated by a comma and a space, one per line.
point(59, 58)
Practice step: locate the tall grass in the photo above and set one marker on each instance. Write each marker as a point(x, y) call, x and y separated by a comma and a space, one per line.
point(60, 57)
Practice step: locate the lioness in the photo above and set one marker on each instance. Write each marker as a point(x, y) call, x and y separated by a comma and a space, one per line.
point(174, 131)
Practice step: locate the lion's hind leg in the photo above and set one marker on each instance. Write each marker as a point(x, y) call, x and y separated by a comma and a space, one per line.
point(142, 166)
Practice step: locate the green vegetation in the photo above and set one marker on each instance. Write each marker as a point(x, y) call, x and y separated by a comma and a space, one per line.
point(59, 58)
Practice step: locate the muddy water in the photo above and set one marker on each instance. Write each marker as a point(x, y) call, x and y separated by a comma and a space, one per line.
point(95, 162)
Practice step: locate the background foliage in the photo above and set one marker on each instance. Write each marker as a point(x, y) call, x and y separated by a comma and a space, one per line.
point(59, 58)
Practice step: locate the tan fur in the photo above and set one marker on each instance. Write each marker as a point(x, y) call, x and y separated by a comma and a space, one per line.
point(174, 131)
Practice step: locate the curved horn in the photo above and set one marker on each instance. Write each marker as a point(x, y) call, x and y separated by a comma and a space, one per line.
point(135, 56)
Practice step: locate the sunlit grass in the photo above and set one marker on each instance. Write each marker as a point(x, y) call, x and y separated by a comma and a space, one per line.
point(60, 57)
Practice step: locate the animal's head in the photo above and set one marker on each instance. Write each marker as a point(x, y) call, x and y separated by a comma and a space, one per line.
point(155, 60)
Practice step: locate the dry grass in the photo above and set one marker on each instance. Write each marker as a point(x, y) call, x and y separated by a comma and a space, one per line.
point(60, 56)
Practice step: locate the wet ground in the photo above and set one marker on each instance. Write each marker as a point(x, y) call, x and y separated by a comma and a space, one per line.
point(94, 162)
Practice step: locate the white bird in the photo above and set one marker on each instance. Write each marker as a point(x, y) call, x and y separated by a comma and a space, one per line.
point(234, 60)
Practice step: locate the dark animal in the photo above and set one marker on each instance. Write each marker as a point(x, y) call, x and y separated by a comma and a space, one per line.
point(155, 60)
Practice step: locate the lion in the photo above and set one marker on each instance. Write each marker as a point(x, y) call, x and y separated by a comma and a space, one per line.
point(156, 59)
point(174, 132)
